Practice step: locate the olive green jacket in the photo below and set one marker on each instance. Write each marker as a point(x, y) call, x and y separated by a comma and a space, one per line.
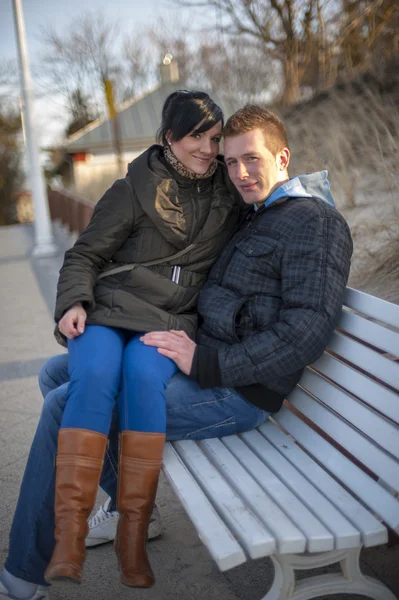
point(151, 214)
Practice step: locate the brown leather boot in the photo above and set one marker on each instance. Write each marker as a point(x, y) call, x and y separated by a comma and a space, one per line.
point(79, 463)
point(140, 461)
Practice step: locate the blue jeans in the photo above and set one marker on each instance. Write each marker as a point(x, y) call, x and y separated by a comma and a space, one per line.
point(192, 413)
point(108, 365)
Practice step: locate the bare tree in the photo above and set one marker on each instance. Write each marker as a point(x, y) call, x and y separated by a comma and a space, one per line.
point(81, 112)
point(10, 161)
point(283, 29)
point(310, 42)
point(238, 68)
point(138, 66)
point(205, 61)
point(368, 35)
point(81, 58)
point(9, 84)
point(96, 42)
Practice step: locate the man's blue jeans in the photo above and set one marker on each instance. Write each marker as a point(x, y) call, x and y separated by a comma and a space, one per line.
point(192, 413)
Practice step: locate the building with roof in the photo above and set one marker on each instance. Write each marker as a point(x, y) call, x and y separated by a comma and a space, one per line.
point(90, 156)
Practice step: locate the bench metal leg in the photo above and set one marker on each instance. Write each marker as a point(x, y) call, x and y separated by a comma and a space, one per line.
point(350, 581)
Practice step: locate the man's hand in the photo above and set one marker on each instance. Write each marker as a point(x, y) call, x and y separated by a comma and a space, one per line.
point(173, 344)
point(73, 322)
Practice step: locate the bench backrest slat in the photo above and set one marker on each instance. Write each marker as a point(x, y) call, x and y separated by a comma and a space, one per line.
point(380, 398)
point(378, 309)
point(370, 332)
point(370, 492)
point(376, 427)
point(370, 361)
point(360, 446)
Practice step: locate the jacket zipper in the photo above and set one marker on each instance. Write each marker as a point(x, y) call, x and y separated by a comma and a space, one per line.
point(195, 208)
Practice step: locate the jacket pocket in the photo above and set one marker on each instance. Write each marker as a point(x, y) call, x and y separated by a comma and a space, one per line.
point(257, 263)
point(245, 319)
point(219, 309)
point(256, 246)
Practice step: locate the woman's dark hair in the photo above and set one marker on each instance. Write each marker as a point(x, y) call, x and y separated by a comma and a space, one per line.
point(183, 110)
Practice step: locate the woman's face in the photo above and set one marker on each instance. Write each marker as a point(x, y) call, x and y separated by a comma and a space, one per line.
point(197, 151)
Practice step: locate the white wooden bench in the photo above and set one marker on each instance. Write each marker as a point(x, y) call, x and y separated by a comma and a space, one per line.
point(320, 480)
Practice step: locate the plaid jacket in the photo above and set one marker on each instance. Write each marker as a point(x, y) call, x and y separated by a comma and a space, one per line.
point(274, 296)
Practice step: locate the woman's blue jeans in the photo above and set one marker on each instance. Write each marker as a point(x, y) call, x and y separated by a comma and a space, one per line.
point(192, 413)
point(107, 366)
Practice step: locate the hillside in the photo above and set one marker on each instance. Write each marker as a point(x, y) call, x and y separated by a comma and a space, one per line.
point(353, 131)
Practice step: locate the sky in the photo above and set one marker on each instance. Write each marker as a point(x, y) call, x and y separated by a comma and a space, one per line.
point(58, 14)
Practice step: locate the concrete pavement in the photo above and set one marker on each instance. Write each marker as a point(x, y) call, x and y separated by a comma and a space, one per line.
point(183, 567)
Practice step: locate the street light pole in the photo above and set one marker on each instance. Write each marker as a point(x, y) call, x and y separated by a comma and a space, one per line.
point(44, 241)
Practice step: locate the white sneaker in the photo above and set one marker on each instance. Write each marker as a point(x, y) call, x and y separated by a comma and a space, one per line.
point(42, 593)
point(102, 526)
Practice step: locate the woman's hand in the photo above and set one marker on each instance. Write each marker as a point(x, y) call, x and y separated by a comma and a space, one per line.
point(173, 344)
point(73, 322)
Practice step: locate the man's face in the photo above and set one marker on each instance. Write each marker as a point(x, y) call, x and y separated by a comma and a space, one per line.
point(252, 167)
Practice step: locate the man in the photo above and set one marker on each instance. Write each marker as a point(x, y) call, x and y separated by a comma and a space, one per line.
point(268, 309)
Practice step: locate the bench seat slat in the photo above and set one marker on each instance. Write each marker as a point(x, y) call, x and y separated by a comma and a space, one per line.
point(250, 532)
point(383, 465)
point(366, 489)
point(373, 425)
point(345, 535)
point(373, 531)
point(370, 332)
point(223, 547)
point(377, 396)
point(255, 484)
point(381, 310)
point(380, 367)
point(290, 540)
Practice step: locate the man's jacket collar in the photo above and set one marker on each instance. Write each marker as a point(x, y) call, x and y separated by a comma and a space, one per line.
point(312, 185)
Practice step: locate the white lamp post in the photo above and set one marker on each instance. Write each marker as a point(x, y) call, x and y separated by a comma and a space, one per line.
point(44, 241)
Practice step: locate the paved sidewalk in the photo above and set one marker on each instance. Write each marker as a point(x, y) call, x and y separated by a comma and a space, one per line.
point(183, 567)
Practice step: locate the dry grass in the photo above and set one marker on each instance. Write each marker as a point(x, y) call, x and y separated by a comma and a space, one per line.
point(349, 130)
point(353, 131)
point(378, 273)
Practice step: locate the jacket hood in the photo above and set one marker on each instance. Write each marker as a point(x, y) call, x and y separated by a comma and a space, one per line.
point(313, 185)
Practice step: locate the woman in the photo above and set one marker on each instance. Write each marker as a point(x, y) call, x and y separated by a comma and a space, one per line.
point(138, 267)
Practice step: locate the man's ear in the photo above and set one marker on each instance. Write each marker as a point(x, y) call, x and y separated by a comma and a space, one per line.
point(283, 159)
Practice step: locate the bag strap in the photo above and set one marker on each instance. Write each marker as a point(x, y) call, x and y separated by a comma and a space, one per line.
point(149, 263)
